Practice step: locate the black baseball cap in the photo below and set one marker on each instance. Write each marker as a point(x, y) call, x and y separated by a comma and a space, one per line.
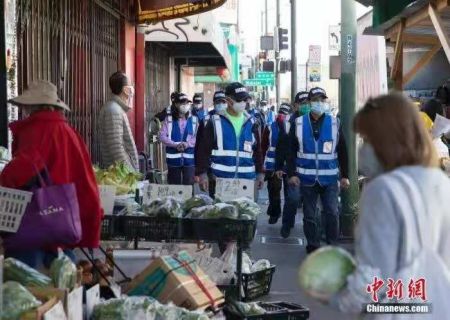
point(301, 97)
point(237, 92)
point(197, 98)
point(173, 95)
point(317, 92)
point(181, 97)
point(219, 95)
point(284, 109)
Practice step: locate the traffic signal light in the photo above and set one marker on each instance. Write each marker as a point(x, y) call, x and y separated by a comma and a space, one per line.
point(283, 39)
point(268, 66)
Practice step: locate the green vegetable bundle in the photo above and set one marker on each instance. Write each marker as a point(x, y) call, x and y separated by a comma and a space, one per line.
point(246, 309)
point(248, 209)
point(144, 308)
point(167, 207)
point(17, 300)
point(63, 273)
point(119, 176)
point(15, 270)
point(197, 201)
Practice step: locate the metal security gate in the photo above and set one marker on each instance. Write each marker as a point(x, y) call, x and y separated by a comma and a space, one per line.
point(75, 45)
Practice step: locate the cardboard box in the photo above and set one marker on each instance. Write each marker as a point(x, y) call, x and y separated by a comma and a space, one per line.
point(177, 279)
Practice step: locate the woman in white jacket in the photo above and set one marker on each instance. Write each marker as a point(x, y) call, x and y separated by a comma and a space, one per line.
point(404, 222)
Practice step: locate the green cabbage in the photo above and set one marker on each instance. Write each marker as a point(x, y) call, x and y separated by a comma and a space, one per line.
point(167, 207)
point(246, 207)
point(225, 210)
point(325, 271)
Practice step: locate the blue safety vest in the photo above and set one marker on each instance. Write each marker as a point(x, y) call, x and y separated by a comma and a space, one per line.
point(233, 156)
point(202, 114)
point(317, 160)
point(274, 130)
point(270, 117)
point(175, 158)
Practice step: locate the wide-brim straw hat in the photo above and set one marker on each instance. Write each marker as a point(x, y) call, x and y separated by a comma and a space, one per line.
point(40, 93)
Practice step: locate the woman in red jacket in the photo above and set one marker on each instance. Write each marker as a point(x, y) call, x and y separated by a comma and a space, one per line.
point(45, 138)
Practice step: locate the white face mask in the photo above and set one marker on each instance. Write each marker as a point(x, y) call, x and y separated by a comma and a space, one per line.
point(198, 106)
point(184, 108)
point(220, 107)
point(239, 107)
point(368, 163)
point(319, 107)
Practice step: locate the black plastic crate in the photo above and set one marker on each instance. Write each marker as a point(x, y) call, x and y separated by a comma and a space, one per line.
point(157, 228)
point(257, 284)
point(142, 228)
point(274, 311)
point(223, 229)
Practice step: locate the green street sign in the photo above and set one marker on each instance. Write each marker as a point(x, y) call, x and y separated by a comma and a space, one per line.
point(265, 75)
point(258, 82)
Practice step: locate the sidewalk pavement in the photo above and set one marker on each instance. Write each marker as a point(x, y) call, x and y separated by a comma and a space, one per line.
point(287, 255)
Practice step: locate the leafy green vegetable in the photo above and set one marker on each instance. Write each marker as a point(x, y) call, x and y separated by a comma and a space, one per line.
point(15, 270)
point(247, 207)
point(325, 271)
point(225, 210)
point(203, 211)
point(63, 273)
point(17, 300)
point(143, 308)
point(196, 201)
point(167, 207)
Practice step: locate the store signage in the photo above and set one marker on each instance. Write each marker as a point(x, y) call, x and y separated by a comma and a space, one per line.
point(231, 189)
point(56, 312)
point(158, 191)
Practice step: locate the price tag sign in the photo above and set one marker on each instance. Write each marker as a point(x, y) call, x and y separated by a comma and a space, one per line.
point(56, 312)
point(155, 191)
point(75, 304)
point(92, 299)
point(230, 189)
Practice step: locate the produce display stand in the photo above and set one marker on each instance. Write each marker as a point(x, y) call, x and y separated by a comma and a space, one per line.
point(145, 228)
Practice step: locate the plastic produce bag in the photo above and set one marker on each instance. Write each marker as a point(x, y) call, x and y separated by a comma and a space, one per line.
point(63, 272)
point(246, 207)
point(246, 309)
point(246, 263)
point(15, 270)
point(204, 211)
point(167, 207)
point(129, 308)
point(260, 265)
point(225, 210)
point(196, 201)
point(17, 300)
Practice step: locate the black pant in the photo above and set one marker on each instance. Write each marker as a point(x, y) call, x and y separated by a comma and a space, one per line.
point(181, 175)
point(274, 186)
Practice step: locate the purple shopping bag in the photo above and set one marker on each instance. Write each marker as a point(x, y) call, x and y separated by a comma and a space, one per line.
point(51, 219)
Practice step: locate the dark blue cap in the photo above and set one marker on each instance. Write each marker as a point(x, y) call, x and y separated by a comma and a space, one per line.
point(237, 91)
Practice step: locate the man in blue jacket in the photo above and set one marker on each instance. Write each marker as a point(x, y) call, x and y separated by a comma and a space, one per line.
point(318, 161)
point(231, 143)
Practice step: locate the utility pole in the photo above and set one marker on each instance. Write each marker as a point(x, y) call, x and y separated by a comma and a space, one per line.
point(277, 60)
point(350, 197)
point(293, 49)
point(266, 31)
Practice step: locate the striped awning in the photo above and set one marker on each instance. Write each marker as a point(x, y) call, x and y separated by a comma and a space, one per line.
point(153, 11)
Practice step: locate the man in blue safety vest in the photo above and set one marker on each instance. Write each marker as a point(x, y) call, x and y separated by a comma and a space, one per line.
point(178, 134)
point(317, 160)
point(231, 144)
point(275, 183)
